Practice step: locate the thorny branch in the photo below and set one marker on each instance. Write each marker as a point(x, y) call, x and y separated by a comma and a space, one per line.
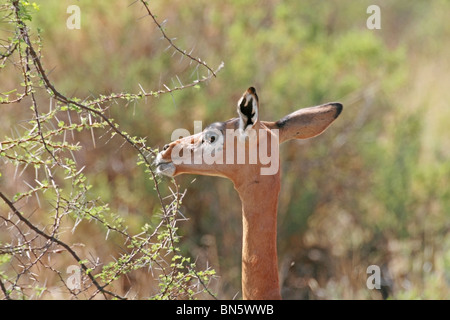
point(183, 52)
point(55, 240)
point(146, 251)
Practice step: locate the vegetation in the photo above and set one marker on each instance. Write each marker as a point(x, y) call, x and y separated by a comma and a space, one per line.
point(84, 112)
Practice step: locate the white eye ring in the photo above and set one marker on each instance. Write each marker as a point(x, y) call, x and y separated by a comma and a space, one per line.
point(211, 137)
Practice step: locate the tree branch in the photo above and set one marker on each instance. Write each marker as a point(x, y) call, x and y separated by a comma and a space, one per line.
point(59, 242)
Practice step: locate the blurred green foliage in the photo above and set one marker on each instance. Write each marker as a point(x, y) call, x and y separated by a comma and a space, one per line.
point(373, 189)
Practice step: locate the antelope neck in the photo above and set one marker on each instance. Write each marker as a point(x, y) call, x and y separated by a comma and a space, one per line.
point(259, 197)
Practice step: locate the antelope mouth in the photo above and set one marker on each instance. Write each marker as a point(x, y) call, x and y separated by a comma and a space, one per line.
point(166, 168)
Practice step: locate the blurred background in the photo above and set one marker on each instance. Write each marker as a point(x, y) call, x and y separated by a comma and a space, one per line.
point(372, 190)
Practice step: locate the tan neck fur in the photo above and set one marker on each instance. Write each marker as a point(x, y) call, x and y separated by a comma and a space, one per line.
point(259, 197)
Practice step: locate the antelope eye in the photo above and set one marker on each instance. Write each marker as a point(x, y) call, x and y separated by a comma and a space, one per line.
point(211, 137)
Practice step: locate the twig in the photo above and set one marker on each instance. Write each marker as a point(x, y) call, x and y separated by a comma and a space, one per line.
point(183, 52)
point(22, 218)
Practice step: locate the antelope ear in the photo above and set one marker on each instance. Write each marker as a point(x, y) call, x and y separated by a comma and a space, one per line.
point(308, 122)
point(247, 109)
